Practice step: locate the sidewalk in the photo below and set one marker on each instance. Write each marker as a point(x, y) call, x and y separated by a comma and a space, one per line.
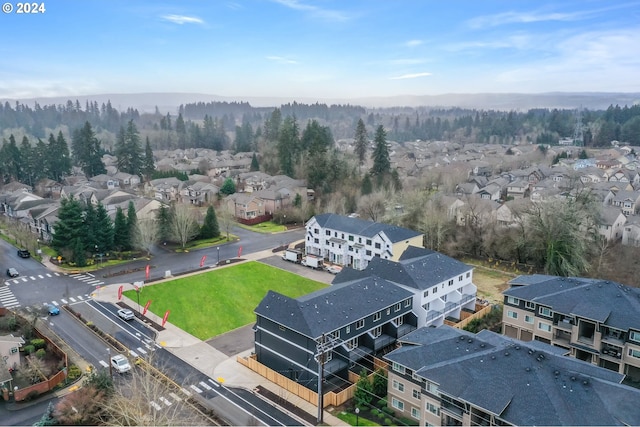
point(207, 359)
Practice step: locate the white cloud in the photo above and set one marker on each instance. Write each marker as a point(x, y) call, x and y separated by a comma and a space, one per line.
point(413, 43)
point(410, 76)
point(407, 61)
point(183, 19)
point(281, 59)
point(521, 18)
point(326, 14)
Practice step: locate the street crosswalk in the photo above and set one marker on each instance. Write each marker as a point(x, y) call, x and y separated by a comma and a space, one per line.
point(87, 278)
point(7, 299)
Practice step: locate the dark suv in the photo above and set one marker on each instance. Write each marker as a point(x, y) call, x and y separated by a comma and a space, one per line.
point(23, 253)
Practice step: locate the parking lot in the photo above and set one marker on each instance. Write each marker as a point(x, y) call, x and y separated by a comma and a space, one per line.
point(317, 275)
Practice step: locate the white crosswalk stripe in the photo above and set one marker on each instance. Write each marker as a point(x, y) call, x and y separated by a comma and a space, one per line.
point(49, 275)
point(57, 274)
point(175, 397)
point(7, 299)
point(196, 389)
point(165, 401)
point(141, 350)
point(55, 303)
point(64, 301)
point(155, 405)
point(186, 392)
point(133, 353)
point(103, 363)
point(72, 299)
point(205, 385)
point(32, 278)
point(41, 276)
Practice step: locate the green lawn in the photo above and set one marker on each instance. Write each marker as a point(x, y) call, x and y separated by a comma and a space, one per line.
point(265, 227)
point(209, 304)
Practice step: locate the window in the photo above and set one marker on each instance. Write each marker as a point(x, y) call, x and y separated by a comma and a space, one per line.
point(460, 278)
point(530, 305)
point(398, 404)
point(545, 311)
point(468, 274)
point(368, 253)
point(352, 343)
point(398, 320)
point(634, 353)
point(327, 233)
point(377, 245)
point(369, 242)
point(316, 231)
point(359, 239)
point(398, 368)
point(426, 293)
point(316, 240)
point(388, 311)
point(376, 332)
point(435, 290)
point(544, 327)
point(528, 319)
point(450, 282)
point(347, 329)
point(415, 413)
point(407, 302)
point(397, 307)
point(512, 314)
point(336, 334)
point(432, 408)
point(513, 300)
point(376, 316)
point(432, 388)
point(415, 393)
point(351, 238)
point(634, 336)
point(360, 324)
point(397, 385)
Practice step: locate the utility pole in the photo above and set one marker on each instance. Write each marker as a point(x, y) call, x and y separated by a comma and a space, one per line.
point(324, 345)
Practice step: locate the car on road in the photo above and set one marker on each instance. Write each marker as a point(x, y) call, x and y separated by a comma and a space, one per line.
point(12, 272)
point(334, 269)
point(126, 314)
point(120, 364)
point(53, 310)
point(23, 253)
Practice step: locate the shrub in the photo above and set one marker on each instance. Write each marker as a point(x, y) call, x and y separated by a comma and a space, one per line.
point(38, 343)
point(31, 395)
point(388, 410)
point(28, 349)
point(387, 421)
point(382, 403)
point(74, 372)
point(40, 353)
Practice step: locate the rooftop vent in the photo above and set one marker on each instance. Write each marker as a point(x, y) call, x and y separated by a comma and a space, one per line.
point(506, 353)
point(470, 341)
point(517, 347)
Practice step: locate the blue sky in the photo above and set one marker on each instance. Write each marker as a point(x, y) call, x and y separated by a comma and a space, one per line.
point(320, 48)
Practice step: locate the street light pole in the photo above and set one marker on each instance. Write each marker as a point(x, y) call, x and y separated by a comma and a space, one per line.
point(357, 412)
point(218, 255)
point(110, 365)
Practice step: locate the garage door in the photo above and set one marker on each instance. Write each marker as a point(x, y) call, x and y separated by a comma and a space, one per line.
point(511, 331)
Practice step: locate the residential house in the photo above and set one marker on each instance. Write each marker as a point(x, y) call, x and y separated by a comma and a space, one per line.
point(518, 189)
point(104, 181)
point(353, 242)
point(611, 223)
point(594, 320)
point(626, 201)
point(127, 179)
point(245, 206)
point(165, 189)
point(347, 322)
point(442, 287)
point(510, 213)
point(48, 188)
point(449, 377)
point(200, 193)
point(631, 233)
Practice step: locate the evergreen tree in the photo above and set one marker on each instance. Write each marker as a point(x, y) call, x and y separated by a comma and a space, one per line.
point(210, 228)
point(316, 140)
point(148, 166)
point(361, 141)
point(181, 130)
point(128, 151)
point(379, 386)
point(120, 231)
point(87, 151)
point(11, 159)
point(132, 224)
point(27, 162)
point(228, 187)
point(40, 160)
point(79, 255)
point(103, 231)
point(163, 218)
point(254, 163)
point(59, 160)
point(367, 186)
point(90, 225)
point(297, 201)
point(395, 180)
point(364, 391)
point(288, 144)
point(69, 227)
point(380, 156)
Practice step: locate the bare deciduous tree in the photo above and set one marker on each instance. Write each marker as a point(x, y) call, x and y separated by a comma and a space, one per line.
point(372, 206)
point(146, 234)
point(226, 221)
point(183, 224)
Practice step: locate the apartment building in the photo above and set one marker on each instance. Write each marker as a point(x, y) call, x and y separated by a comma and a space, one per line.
point(353, 242)
point(594, 320)
point(442, 287)
point(450, 377)
point(346, 322)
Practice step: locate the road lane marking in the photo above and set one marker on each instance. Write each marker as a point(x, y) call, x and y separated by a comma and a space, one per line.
point(155, 405)
point(185, 391)
point(205, 385)
point(64, 301)
point(55, 303)
point(165, 401)
point(196, 389)
point(175, 397)
point(103, 363)
point(48, 275)
point(213, 382)
point(133, 353)
point(41, 276)
point(32, 278)
point(72, 299)
point(141, 350)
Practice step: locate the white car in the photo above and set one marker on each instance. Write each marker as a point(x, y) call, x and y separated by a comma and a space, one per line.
point(126, 314)
point(334, 269)
point(120, 364)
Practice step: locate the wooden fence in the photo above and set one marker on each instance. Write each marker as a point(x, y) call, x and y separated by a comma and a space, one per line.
point(331, 398)
point(477, 315)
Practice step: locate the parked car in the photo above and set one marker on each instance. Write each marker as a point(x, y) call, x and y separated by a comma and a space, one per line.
point(120, 364)
point(126, 314)
point(12, 272)
point(334, 269)
point(23, 253)
point(53, 310)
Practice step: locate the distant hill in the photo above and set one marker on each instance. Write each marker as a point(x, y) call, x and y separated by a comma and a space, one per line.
point(169, 102)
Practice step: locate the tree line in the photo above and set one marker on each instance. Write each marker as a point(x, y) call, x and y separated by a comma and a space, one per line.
point(84, 231)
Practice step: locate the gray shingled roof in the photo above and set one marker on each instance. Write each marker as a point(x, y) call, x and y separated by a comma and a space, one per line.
point(522, 383)
point(608, 302)
point(361, 227)
point(418, 268)
point(331, 308)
